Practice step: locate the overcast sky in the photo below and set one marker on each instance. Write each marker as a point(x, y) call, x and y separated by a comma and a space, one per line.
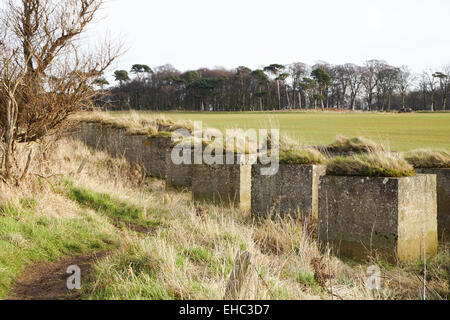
point(190, 34)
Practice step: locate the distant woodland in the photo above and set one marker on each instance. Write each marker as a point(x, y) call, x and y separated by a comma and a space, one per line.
point(374, 86)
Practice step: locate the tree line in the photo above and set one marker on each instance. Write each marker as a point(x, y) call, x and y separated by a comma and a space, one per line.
point(374, 86)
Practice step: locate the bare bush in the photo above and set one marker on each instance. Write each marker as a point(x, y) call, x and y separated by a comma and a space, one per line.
point(46, 71)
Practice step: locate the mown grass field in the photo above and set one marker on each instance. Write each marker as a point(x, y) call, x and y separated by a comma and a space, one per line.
point(399, 132)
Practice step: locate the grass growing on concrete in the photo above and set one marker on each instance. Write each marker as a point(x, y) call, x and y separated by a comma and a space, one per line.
point(301, 156)
point(423, 158)
point(343, 144)
point(291, 152)
point(134, 123)
point(375, 164)
point(216, 142)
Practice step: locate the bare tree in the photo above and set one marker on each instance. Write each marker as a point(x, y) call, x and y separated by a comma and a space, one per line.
point(405, 81)
point(370, 79)
point(341, 77)
point(431, 86)
point(387, 82)
point(423, 86)
point(47, 74)
point(354, 79)
point(11, 77)
point(444, 83)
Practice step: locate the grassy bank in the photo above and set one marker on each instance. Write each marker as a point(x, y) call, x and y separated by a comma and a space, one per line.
point(163, 246)
point(30, 233)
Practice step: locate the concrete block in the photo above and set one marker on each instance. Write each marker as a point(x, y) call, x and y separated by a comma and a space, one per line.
point(148, 152)
point(292, 191)
point(223, 184)
point(396, 217)
point(178, 176)
point(443, 200)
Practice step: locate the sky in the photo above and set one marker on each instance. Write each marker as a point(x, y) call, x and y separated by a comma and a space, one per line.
point(190, 34)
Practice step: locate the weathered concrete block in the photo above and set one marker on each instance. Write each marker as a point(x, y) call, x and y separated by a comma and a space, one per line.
point(91, 135)
point(223, 184)
point(148, 152)
point(443, 200)
point(104, 138)
point(293, 190)
point(178, 176)
point(397, 217)
point(115, 141)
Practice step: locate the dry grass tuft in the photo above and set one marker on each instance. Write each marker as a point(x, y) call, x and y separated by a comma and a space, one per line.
point(345, 145)
point(135, 123)
point(423, 158)
point(301, 156)
point(213, 138)
point(375, 164)
point(293, 153)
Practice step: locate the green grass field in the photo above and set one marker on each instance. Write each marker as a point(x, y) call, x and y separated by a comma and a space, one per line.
point(400, 132)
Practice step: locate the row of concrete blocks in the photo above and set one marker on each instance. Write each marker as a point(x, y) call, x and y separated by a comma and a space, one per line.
point(394, 218)
point(398, 218)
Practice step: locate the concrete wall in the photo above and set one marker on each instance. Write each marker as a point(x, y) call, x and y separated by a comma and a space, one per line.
point(150, 153)
point(225, 184)
point(153, 151)
point(443, 200)
point(293, 190)
point(178, 176)
point(394, 217)
point(91, 135)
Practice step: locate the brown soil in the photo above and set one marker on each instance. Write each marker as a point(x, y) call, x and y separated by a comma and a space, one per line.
point(134, 227)
point(48, 281)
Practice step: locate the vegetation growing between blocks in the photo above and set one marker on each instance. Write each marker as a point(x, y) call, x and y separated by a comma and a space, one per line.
point(343, 144)
point(376, 164)
point(301, 156)
point(422, 158)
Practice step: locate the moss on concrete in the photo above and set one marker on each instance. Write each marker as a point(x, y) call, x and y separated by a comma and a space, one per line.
point(370, 165)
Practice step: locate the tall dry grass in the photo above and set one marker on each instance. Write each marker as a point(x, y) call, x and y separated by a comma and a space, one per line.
point(134, 122)
point(424, 158)
point(190, 255)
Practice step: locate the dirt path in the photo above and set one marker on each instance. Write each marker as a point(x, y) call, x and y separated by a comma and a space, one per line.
point(48, 281)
